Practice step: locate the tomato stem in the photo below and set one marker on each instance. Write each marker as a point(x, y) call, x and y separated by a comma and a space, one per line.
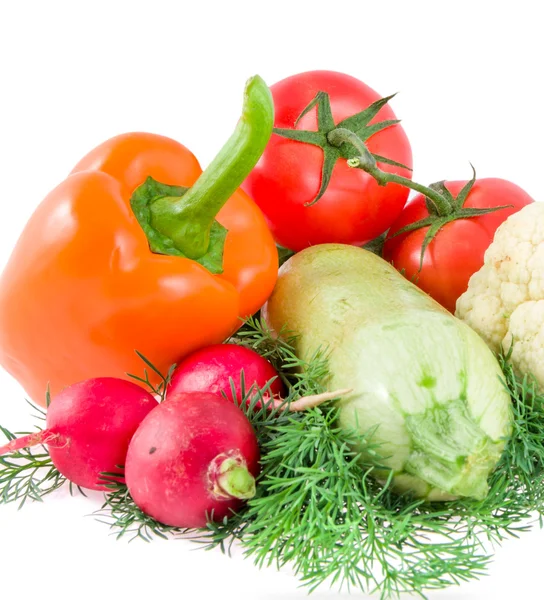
point(358, 124)
point(442, 206)
point(368, 163)
point(436, 193)
point(187, 220)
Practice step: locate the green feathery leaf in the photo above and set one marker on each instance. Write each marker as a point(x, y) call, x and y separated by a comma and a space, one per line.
point(27, 474)
point(320, 509)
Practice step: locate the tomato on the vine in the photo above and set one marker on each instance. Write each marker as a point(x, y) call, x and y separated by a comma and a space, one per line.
point(457, 249)
point(302, 183)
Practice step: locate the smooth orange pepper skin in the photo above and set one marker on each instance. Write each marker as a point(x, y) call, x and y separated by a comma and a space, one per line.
point(82, 291)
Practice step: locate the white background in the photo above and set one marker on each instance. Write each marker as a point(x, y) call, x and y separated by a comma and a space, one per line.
point(74, 73)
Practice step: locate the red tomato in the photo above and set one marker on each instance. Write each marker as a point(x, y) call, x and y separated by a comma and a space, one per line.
point(457, 251)
point(354, 208)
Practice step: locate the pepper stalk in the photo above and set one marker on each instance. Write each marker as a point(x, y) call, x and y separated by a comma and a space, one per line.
point(182, 221)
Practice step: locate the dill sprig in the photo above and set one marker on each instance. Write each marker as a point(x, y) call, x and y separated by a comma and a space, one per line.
point(27, 474)
point(121, 514)
point(159, 389)
point(301, 377)
point(320, 510)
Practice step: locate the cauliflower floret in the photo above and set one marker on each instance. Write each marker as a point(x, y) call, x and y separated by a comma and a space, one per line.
point(504, 301)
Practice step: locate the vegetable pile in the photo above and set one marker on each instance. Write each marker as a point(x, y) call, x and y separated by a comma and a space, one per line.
point(370, 414)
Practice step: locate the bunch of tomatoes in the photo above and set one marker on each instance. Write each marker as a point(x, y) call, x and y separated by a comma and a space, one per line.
point(311, 191)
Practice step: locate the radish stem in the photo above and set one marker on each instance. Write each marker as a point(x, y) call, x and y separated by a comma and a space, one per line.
point(33, 439)
point(312, 401)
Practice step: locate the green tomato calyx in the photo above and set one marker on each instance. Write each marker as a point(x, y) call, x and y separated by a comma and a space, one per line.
point(359, 126)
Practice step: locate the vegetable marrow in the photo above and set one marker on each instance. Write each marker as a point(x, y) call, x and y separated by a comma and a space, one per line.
point(424, 382)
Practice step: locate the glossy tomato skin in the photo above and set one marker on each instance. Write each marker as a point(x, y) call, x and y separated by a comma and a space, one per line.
point(457, 251)
point(354, 209)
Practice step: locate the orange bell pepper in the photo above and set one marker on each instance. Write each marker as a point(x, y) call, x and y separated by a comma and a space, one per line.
point(112, 261)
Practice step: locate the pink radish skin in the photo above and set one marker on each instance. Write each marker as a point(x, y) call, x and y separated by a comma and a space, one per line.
point(89, 428)
point(212, 368)
point(194, 455)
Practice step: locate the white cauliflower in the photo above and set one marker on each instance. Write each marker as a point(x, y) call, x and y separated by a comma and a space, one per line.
point(504, 301)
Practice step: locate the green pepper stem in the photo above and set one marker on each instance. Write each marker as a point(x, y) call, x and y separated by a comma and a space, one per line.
point(187, 220)
point(367, 162)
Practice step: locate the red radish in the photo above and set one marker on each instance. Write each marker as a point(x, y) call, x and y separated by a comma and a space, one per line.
point(89, 427)
point(212, 369)
point(216, 368)
point(195, 456)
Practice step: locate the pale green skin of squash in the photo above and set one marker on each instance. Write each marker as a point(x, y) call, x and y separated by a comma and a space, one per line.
point(425, 381)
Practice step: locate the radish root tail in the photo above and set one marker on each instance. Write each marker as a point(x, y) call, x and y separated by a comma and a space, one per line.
point(311, 401)
point(33, 439)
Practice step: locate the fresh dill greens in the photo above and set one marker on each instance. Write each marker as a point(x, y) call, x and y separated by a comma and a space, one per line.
point(122, 515)
point(318, 507)
point(302, 377)
point(39, 413)
point(319, 510)
point(27, 475)
point(160, 389)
